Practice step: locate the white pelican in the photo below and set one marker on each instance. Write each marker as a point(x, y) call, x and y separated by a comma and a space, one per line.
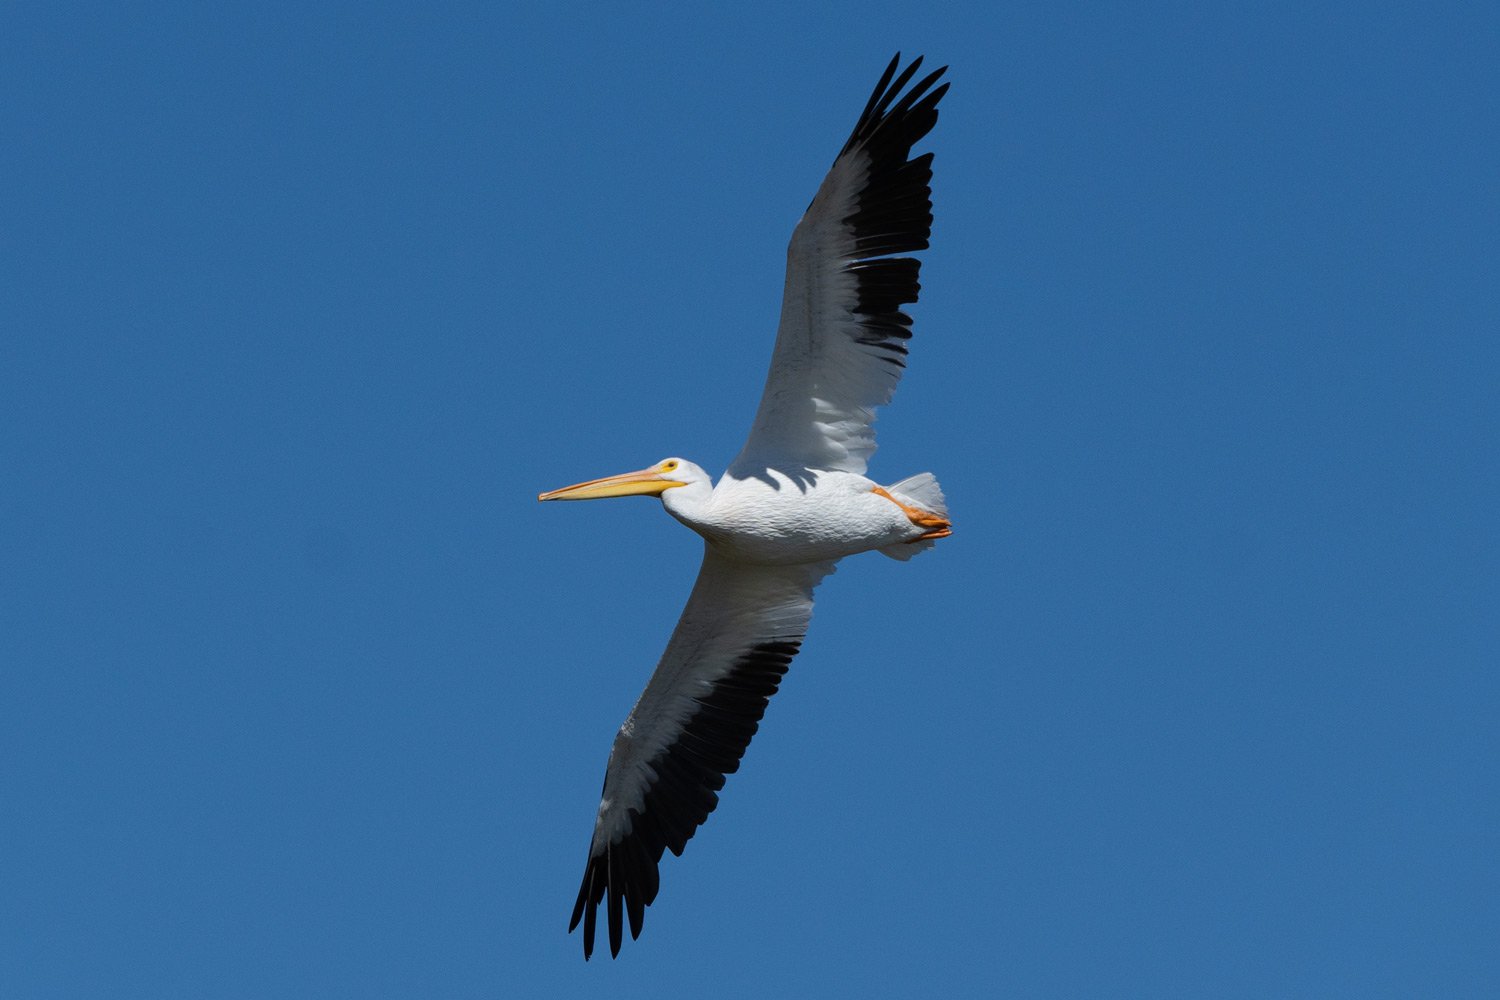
point(792, 504)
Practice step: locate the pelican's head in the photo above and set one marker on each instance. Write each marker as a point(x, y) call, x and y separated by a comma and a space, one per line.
point(652, 481)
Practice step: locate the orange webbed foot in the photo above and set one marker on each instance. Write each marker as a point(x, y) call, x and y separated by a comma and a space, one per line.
point(940, 527)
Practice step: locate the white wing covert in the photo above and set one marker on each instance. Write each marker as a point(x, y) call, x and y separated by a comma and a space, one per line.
point(841, 345)
point(742, 625)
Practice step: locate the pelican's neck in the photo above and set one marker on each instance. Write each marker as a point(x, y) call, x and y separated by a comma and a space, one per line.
point(689, 504)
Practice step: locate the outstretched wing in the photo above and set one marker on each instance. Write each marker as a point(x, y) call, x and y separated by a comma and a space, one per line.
point(841, 345)
point(740, 629)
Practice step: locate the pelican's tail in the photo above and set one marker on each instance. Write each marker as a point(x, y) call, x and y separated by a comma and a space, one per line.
point(921, 491)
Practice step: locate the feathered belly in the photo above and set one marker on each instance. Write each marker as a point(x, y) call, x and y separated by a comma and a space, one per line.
point(827, 516)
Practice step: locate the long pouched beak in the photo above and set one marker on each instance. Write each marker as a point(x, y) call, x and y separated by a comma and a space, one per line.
point(646, 482)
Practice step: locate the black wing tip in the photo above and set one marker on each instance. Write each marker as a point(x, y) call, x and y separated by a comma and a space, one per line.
point(912, 116)
point(892, 211)
point(609, 879)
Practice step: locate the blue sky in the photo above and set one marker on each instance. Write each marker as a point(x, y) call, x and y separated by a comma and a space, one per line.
point(302, 694)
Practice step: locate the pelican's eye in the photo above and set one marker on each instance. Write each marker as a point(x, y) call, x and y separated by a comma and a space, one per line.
point(668, 466)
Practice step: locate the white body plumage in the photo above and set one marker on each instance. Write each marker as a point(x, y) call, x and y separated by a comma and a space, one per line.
point(778, 519)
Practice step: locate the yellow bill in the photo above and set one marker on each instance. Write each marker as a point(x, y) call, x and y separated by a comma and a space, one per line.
point(647, 482)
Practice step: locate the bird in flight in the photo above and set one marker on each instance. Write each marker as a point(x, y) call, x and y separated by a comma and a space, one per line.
point(793, 503)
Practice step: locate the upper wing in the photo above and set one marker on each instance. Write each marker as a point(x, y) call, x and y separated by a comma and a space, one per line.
point(737, 635)
point(840, 347)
